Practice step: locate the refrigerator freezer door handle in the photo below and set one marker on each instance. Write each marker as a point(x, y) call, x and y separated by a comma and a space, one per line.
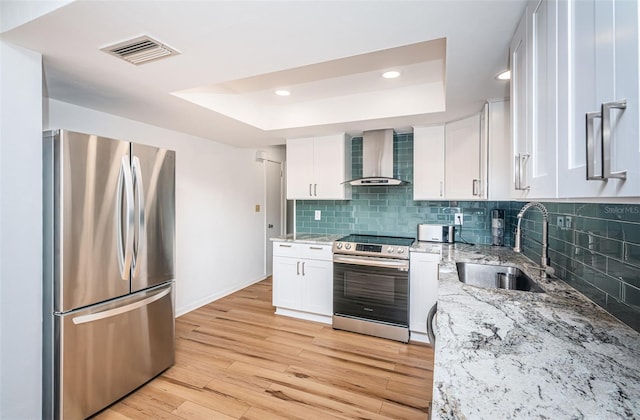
point(125, 233)
point(83, 319)
point(141, 234)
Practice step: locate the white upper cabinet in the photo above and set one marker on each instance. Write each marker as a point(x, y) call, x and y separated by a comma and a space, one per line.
point(428, 163)
point(598, 93)
point(574, 94)
point(317, 168)
point(446, 161)
point(462, 179)
point(519, 105)
point(497, 171)
point(534, 102)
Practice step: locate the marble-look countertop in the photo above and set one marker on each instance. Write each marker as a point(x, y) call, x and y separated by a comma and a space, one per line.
point(503, 354)
point(308, 238)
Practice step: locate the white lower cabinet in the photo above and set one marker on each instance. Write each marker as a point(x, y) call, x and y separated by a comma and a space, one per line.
point(317, 292)
point(303, 281)
point(423, 292)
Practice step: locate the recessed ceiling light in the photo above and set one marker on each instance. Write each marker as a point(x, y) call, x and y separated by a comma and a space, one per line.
point(391, 74)
point(505, 75)
point(282, 92)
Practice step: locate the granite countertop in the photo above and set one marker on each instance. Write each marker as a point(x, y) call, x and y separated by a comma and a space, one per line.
point(504, 354)
point(308, 238)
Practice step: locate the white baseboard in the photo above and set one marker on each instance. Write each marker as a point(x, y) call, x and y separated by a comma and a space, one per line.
point(419, 337)
point(325, 319)
point(215, 296)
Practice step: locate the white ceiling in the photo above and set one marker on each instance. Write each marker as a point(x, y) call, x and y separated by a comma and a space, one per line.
point(233, 54)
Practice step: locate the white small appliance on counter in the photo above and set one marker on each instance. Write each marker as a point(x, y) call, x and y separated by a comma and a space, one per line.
point(436, 233)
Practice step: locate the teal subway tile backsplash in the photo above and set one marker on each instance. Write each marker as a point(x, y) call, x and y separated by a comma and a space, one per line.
point(595, 248)
point(597, 252)
point(391, 210)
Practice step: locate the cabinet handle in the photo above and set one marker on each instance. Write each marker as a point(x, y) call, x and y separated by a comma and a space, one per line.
point(310, 186)
point(606, 139)
point(441, 189)
point(303, 263)
point(315, 190)
point(521, 159)
point(298, 268)
point(474, 187)
point(284, 246)
point(591, 146)
point(516, 177)
point(317, 248)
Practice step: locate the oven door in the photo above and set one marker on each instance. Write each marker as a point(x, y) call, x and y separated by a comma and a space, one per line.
point(371, 288)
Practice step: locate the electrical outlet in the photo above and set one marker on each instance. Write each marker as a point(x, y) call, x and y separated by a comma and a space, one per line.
point(317, 215)
point(567, 222)
point(560, 222)
point(458, 219)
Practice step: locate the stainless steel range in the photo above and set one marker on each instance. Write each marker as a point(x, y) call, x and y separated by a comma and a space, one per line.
point(371, 285)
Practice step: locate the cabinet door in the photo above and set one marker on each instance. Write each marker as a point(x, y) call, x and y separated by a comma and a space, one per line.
point(330, 162)
point(287, 283)
point(542, 114)
point(462, 159)
point(318, 287)
point(519, 102)
point(599, 64)
point(423, 283)
point(428, 163)
point(300, 169)
point(498, 143)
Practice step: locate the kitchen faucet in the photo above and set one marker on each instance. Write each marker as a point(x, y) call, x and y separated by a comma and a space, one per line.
point(544, 259)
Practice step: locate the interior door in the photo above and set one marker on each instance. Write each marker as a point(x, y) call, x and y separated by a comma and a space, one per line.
point(274, 201)
point(91, 177)
point(154, 216)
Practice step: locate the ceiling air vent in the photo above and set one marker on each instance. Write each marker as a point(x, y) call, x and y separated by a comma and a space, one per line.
point(140, 50)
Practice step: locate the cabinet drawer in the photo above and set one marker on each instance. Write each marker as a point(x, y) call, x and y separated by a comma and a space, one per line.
point(287, 249)
point(317, 252)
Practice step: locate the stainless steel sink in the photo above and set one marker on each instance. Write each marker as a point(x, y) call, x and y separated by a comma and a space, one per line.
point(492, 276)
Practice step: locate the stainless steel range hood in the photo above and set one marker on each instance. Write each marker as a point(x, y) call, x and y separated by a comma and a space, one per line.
point(377, 160)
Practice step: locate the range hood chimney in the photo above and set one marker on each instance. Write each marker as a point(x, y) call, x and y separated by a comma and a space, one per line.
point(377, 159)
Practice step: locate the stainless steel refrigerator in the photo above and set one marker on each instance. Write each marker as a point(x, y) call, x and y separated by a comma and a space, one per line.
point(108, 292)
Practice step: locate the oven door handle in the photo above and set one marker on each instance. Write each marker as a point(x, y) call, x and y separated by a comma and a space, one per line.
point(402, 265)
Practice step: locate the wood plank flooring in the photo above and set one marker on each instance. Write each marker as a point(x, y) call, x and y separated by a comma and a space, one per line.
point(236, 359)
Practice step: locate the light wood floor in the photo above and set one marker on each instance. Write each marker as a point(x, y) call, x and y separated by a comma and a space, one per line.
point(235, 359)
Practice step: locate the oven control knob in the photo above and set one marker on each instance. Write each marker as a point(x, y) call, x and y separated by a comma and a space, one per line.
point(390, 250)
point(400, 251)
point(348, 246)
point(339, 245)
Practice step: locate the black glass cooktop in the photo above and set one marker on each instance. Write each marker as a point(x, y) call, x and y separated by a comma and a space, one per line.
point(379, 240)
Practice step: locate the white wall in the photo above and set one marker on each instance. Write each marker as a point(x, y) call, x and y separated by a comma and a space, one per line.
point(220, 247)
point(14, 13)
point(20, 233)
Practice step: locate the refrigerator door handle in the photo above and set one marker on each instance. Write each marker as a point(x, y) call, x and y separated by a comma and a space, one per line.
point(141, 234)
point(125, 234)
point(83, 319)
